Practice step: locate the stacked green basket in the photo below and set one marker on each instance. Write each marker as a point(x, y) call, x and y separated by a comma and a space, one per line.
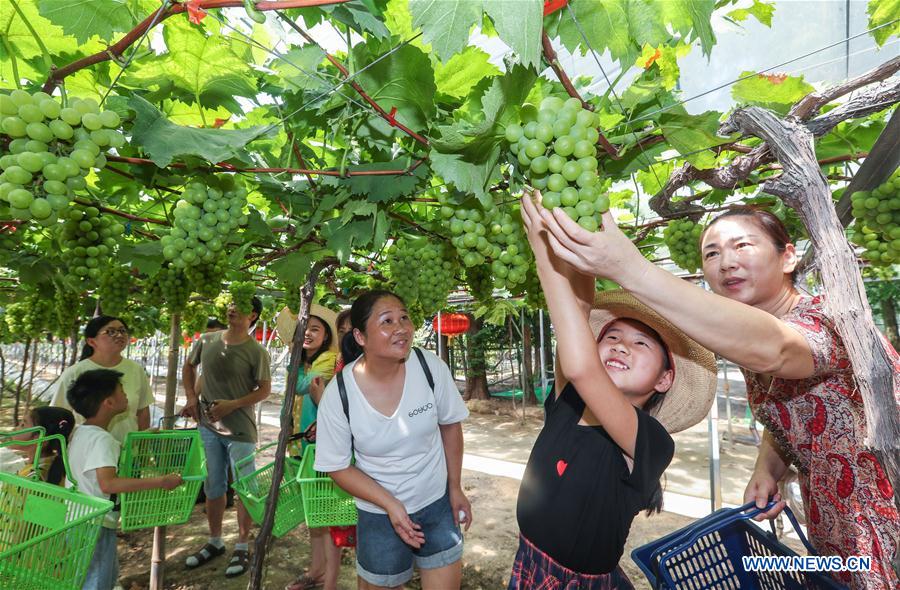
point(153, 454)
point(253, 490)
point(47, 532)
point(325, 503)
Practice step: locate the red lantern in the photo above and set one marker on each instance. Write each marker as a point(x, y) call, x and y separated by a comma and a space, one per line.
point(258, 333)
point(451, 324)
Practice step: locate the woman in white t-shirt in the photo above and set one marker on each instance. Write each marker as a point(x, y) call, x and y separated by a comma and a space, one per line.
point(105, 339)
point(406, 437)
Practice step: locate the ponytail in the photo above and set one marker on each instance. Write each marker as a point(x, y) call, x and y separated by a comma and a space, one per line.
point(350, 348)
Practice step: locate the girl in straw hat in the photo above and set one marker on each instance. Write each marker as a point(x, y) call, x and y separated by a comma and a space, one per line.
point(800, 382)
point(626, 379)
point(317, 360)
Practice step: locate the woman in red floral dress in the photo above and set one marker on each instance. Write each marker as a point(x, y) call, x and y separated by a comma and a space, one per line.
point(799, 380)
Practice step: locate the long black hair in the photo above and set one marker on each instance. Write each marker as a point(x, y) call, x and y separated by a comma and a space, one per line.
point(360, 312)
point(326, 342)
point(54, 421)
point(92, 328)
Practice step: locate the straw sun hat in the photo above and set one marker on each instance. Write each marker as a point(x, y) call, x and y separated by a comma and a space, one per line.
point(286, 323)
point(694, 388)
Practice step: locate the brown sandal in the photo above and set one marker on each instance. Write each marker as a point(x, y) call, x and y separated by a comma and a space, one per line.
point(239, 563)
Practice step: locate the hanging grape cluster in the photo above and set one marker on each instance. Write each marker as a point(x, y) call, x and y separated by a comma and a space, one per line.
point(423, 273)
point(195, 317)
point(242, 293)
point(170, 288)
point(29, 317)
point(210, 210)
point(556, 150)
point(67, 307)
point(877, 227)
point(51, 150)
point(494, 237)
point(206, 279)
point(682, 238)
point(86, 240)
point(115, 284)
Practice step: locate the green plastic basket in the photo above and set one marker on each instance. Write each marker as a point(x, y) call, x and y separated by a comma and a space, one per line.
point(47, 532)
point(325, 503)
point(153, 454)
point(254, 488)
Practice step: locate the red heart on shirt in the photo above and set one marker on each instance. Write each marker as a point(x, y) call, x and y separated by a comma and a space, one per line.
point(561, 467)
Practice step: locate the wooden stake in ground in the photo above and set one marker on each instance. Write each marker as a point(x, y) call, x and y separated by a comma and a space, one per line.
point(265, 532)
point(805, 189)
point(158, 558)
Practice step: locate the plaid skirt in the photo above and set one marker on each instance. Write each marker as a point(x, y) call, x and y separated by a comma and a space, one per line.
point(535, 570)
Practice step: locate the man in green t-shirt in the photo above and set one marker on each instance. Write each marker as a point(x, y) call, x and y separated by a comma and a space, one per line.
point(236, 377)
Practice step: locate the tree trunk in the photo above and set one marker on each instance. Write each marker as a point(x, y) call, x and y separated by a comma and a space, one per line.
point(261, 545)
point(527, 374)
point(476, 376)
point(158, 556)
point(803, 187)
point(74, 353)
point(889, 312)
point(35, 358)
point(21, 381)
point(2, 376)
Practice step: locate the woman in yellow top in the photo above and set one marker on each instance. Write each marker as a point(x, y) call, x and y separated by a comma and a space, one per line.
point(316, 370)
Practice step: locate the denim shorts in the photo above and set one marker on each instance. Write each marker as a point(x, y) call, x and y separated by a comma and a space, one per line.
point(222, 453)
point(103, 572)
point(383, 559)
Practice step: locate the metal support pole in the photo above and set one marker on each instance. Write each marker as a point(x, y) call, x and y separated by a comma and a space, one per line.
point(715, 473)
point(727, 387)
point(439, 336)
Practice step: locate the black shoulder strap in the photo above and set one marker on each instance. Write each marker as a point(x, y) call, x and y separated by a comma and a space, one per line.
point(345, 403)
point(425, 368)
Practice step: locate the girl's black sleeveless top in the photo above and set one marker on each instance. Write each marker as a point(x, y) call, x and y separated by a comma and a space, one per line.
point(577, 497)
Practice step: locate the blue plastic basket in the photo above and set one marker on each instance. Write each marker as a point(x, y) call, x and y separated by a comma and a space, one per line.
point(707, 554)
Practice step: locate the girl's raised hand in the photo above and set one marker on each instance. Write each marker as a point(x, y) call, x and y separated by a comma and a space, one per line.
point(605, 253)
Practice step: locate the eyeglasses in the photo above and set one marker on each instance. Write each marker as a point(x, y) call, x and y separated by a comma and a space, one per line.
point(115, 332)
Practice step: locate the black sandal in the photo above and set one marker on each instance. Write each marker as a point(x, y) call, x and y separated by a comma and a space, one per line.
point(239, 559)
point(206, 554)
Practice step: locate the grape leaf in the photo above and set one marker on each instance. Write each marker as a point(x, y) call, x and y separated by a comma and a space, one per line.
point(403, 80)
point(299, 68)
point(445, 25)
point(689, 133)
point(882, 12)
point(761, 11)
point(605, 24)
point(519, 24)
point(15, 36)
point(776, 92)
point(205, 66)
point(85, 18)
point(163, 140)
point(462, 72)
point(381, 189)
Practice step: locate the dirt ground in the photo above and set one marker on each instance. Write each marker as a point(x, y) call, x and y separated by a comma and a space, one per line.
point(494, 432)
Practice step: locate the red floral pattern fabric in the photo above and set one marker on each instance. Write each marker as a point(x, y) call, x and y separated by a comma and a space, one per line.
point(820, 423)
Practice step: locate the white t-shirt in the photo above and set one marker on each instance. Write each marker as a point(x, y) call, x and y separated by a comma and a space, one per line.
point(404, 452)
point(135, 382)
point(93, 447)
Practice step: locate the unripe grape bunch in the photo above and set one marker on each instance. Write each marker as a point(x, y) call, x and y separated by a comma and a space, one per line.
point(86, 240)
point(171, 288)
point(51, 148)
point(682, 238)
point(555, 147)
point(495, 237)
point(242, 293)
point(423, 272)
point(206, 278)
point(115, 283)
point(210, 210)
point(877, 227)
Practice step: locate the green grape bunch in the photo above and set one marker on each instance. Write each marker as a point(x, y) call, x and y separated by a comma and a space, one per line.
point(115, 284)
point(206, 216)
point(682, 238)
point(49, 150)
point(556, 149)
point(30, 317)
point(67, 305)
point(493, 237)
point(195, 317)
point(170, 288)
point(877, 225)
point(86, 241)
point(423, 273)
point(242, 293)
point(206, 278)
